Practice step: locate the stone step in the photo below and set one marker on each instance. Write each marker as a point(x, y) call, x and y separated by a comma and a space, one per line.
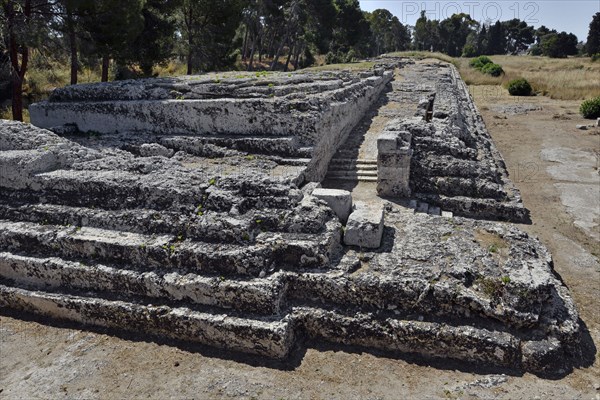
point(352, 167)
point(208, 226)
point(274, 337)
point(114, 190)
point(445, 166)
point(288, 251)
point(258, 296)
point(353, 178)
point(265, 336)
point(305, 152)
point(360, 173)
point(346, 160)
point(280, 145)
point(456, 186)
point(198, 224)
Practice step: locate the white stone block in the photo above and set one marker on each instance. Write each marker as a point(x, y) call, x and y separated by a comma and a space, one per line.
point(340, 201)
point(365, 227)
point(447, 214)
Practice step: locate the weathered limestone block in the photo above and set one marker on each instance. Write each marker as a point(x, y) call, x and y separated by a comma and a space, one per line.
point(340, 201)
point(365, 227)
point(393, 163)
point(155, 149)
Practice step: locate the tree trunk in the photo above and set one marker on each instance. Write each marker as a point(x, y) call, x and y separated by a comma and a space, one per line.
point(17, 71)
point(278, 54)
point(260, 50)
point(17, 98)
point(73, 48)
point(105, 65)
point(189, 24)
point(252, 50)
point(297, 58)
point(289, 57)
point(189, 62)
point(245, 46)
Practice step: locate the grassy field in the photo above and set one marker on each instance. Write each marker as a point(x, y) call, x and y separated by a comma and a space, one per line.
point(565, 79)
point(557, 78)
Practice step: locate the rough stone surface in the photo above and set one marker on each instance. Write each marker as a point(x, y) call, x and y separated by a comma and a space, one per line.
point(393, 162)
point(365, 227)
point(340, 201)
point(455, 164)
point(318, 110)
point(215, 238)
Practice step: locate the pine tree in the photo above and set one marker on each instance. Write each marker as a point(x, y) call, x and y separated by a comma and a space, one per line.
point(496, 39)
point(593, 39)
point(113, 25)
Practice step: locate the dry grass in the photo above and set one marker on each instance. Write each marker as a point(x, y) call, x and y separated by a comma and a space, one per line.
point(358, 66)
point(425, 54)
point(6, 113)
point(172, 68)
point(565, 79)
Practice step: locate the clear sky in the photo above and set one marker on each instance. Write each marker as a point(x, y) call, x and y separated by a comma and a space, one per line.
point(570, 16)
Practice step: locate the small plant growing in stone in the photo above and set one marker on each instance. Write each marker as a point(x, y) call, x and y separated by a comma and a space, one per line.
point(492, 287)
point(212, 181)
point(170, 249)
point(505, 280)
point(493, 248)
point(250, 157)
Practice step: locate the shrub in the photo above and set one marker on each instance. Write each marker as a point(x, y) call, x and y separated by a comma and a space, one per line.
point(492, 69)
point(331, 58)
point(519, 87)
point(468, 51)
point(480, 61)
point(590, 108)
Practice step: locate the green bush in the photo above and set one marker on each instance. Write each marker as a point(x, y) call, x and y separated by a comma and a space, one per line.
point(468, 51)
point(519, 87)
point(590, 108)
point(492, 69)
point(479, 62)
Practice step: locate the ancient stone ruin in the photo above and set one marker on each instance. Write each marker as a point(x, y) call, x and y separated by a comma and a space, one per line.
point(252, 212)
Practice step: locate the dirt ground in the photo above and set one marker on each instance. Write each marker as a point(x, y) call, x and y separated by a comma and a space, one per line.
point(555, 166)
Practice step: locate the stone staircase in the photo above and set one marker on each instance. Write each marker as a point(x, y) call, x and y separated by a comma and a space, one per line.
point(344, 168)
point(105, 236)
